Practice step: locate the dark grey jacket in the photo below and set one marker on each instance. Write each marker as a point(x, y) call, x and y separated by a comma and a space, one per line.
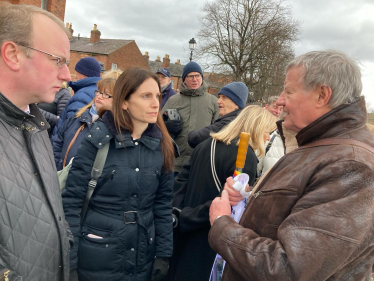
point(198, 136)
point(33, 233)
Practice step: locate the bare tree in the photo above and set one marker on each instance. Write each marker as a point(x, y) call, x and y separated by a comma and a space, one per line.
point(250, 40)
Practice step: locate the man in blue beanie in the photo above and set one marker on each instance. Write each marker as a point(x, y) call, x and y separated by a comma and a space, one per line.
point(88, 72)
point(232, 98)
point(196, 107)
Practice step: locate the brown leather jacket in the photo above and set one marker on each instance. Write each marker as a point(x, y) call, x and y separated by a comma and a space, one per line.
point(312, 217)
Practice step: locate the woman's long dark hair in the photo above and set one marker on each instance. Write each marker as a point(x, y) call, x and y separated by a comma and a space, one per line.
point(129, 81)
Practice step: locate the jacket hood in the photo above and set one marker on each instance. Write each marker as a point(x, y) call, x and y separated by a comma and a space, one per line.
point(335, 122)
point(193, 92)
point(84, 83)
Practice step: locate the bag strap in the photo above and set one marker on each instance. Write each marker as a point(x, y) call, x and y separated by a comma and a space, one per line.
point(96, 172)
point(270, 143)
point(71, 143)
point(213, 165)
point(337, 141)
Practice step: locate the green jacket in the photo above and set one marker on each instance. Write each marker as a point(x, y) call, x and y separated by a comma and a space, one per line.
point(197, 109)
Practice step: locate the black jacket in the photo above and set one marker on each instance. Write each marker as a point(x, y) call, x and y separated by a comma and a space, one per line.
point(130, 207)
point(53, 110)
point(194, 190)
point(198, 136)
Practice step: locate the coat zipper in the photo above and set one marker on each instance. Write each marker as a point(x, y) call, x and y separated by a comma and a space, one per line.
point(268, 191)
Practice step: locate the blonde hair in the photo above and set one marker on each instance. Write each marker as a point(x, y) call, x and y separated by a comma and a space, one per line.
point(102, 85)
point(112, 74)
point(16, 23)
point(253, 119)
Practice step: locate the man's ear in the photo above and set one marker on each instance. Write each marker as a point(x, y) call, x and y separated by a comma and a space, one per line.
point(324, 96)
point(10, 54)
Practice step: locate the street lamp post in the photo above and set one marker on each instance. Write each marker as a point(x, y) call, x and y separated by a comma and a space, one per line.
point(192, 44)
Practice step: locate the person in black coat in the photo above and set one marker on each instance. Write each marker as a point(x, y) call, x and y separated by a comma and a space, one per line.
point(126, 233)
point(232, 98)
point(52, 111)
point(194, 189)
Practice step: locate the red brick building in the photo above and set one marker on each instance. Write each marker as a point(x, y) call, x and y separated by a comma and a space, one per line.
point(56, 7)
point(112, 53)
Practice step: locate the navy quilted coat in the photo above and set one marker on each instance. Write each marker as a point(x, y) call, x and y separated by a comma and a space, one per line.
point(130, 207)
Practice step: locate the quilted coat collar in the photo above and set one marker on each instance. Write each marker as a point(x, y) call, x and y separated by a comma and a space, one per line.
point(17, 117)
point(337, 121)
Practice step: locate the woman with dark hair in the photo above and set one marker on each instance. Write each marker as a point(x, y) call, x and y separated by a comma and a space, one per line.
point(127, 229)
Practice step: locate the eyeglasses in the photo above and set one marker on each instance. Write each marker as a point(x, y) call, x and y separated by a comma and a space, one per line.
point(104, 95)
point(59, 60)
point(191, 77)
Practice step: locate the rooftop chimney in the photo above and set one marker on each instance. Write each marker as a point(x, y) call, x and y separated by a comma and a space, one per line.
point(146, 57)
point(158, 59)
point(166, 61)
point(178, 62)
point(70, 27)
point(95, 35)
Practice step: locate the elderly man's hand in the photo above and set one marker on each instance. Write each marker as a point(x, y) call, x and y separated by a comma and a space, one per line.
point(234, 196)
point(220, 207)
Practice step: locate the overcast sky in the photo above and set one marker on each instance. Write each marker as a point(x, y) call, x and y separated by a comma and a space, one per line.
point(165, 27)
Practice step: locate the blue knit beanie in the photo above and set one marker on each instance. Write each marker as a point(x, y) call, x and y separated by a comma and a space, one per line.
point(191, 67)
point(88, 66)
point(237, 92)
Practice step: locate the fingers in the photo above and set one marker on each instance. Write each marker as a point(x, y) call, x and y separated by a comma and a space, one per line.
point(224, 195)
point(234, 203)
point(248, 188)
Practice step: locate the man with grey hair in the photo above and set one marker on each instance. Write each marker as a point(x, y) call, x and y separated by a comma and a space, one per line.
point(312, 216)
point(34, 237)
point(272, 106)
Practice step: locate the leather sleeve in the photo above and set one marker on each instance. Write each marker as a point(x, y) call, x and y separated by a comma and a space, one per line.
point(318, 237)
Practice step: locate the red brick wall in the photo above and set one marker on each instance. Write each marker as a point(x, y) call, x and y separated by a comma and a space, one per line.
point(127, 57)
point(177, 82)
point(24, 2)
point(56, 7)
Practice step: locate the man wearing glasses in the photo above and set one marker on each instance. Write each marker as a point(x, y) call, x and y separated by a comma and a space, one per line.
point(196, 107)
point(34, 54)
point(166, 87)
point(88, 72)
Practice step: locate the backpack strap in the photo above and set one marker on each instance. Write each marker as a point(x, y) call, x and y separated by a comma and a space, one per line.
point(337, 141)
point(96, 172)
